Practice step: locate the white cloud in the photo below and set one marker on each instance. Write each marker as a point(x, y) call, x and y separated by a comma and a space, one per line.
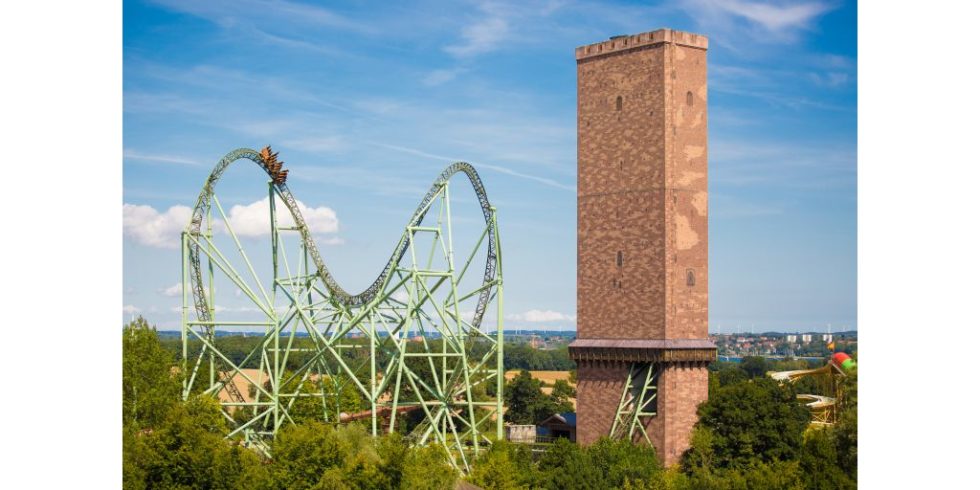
point(252, 220)
point(131, 310)
point(149, 227)
point(541, 316)
point(172, 291)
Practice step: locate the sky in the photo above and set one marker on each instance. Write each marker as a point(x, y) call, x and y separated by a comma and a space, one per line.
point(367, 105)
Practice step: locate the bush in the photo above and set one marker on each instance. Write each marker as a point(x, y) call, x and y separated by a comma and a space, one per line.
point(188, 450)
point(754, 420)
point(504, 466)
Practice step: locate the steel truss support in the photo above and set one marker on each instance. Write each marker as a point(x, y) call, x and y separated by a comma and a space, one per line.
point(411, 342)
point(638, 402)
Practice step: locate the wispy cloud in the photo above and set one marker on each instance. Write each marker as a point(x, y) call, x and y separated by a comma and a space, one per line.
point(499, 23)
point(438, 77)
point(288, 42)
point(149, 157)
point(832, 79)
point(482, 36)
point(281, 13)
point(495, 168)
point(780, 20)
point(797, 166)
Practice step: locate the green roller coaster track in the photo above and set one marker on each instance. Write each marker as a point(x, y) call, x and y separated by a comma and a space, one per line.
point(419, 322)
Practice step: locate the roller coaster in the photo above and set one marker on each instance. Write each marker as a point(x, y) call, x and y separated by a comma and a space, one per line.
point(411, 347)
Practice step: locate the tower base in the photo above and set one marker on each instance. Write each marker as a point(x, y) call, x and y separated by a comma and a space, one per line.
point(611, 392)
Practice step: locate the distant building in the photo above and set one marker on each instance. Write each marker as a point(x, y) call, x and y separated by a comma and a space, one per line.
point(791, 338)
point(806, 337)
point(559, 425)
point(827, 337)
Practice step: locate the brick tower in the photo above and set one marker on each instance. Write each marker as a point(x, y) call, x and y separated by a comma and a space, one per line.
point(642, 347)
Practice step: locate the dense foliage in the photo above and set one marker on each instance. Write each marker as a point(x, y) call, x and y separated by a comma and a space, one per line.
point(168, 443)
point(566, 465)
point(752, 434)
point(757, 421)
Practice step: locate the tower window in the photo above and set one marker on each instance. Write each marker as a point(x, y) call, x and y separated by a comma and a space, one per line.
point(690, 99)
point(619, 258)
point(690, 278)
point(619, 102)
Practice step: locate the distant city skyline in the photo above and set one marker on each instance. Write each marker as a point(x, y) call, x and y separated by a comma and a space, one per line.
point(368, 105)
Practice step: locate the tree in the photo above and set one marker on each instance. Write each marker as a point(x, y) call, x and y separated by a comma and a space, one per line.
point(414, 468)
point(315, 455)
point(845, 431)
point(149, 387)
point(730, 375)
point(562, 391)
point(504, 466)
point(754, 366)
point(526, 404)
point(819, 462)
point(605, 464)
point(188, 450)
point(622, 462)
point(566, 465)
point(754, 420)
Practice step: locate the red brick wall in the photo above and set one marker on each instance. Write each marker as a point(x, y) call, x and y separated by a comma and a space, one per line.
point(682, 388)
point(642, 191)
point(599, 388)
point(687, 184)
point(621, 196)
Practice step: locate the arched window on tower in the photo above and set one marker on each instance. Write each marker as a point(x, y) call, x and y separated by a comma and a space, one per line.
point(619, 102)
point(619, 259)
point(690, 99)
point(690, 278)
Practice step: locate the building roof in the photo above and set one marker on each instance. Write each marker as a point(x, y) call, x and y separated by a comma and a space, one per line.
point(567, 418)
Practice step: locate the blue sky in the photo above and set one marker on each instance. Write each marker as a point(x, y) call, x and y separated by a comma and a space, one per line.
point(367, 105)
